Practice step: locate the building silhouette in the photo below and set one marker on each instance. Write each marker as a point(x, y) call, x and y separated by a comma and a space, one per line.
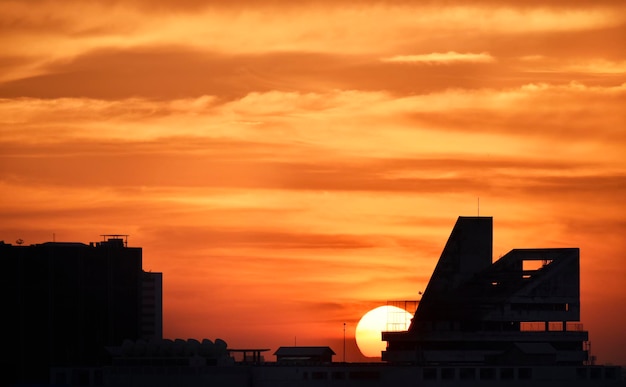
point(523, 309)
point(88, 315)
point(65, 302)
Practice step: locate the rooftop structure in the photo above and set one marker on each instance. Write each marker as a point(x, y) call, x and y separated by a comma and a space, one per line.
point(307, 355)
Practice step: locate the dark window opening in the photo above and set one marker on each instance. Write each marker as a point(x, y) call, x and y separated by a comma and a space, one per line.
point(430, 374)
point(365, 375)
point(525, 373)
point(507, 373)
point(319, 375)
point(487, 373)
point(595, 373)
point(610, 373)
point(447, 373)
point(467, 373)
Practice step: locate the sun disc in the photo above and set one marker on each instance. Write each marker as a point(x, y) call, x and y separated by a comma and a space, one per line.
point(380, 319)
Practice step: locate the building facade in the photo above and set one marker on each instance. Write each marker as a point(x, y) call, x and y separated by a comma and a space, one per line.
point(151, 305)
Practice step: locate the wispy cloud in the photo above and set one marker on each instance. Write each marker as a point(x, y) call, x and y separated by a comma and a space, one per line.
point(442, 58)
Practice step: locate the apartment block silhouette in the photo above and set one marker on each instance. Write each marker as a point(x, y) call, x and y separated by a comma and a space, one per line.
point(65, 302)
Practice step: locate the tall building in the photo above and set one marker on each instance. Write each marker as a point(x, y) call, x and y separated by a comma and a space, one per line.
point(66, 302)
point(522, 309)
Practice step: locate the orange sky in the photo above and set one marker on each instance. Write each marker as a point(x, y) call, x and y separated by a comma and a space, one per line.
point(289, 167)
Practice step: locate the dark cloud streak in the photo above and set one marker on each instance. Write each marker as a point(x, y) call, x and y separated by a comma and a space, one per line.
point(178, 72)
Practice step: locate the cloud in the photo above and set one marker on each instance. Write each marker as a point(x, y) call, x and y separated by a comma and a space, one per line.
point(598, 66)
point(543, 110)
point(332, 127)
point(45, 35)
point(262, 238)
point(180, 72)
point(181, 162)
point(442, 58)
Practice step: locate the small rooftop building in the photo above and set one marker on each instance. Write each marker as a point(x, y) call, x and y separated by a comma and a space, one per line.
point(293, 355)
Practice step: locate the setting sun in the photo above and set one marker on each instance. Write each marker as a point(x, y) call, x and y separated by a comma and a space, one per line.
point(384, 318)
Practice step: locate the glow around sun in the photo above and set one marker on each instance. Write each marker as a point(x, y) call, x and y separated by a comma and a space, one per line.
point(383, 318)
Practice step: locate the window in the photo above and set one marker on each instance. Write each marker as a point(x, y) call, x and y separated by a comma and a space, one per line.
point(487, 373)
point(97, 377)
point(467, 373)
point(319, 375)
point(595, 373)
point(610, 373)
point(430, 374)
point(365, 375)
point(532, 265)
point(447, 373)
point(507, 373)
point(80, 377)
point(61, 377)
point(525, 373)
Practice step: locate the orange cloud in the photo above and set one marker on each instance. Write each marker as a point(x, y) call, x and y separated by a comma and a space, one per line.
point(447, 57)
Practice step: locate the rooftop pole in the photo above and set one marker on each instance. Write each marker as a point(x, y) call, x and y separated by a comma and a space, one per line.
point(344, 342)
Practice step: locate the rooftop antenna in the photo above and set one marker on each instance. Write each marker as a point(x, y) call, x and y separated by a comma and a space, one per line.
point(344, 342)
point(479, 206)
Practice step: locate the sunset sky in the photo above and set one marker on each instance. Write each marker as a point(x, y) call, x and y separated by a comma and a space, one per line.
point(289, 166)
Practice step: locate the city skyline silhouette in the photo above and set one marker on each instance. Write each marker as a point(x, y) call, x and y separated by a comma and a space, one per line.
point(89, 315)
point(290, 167)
